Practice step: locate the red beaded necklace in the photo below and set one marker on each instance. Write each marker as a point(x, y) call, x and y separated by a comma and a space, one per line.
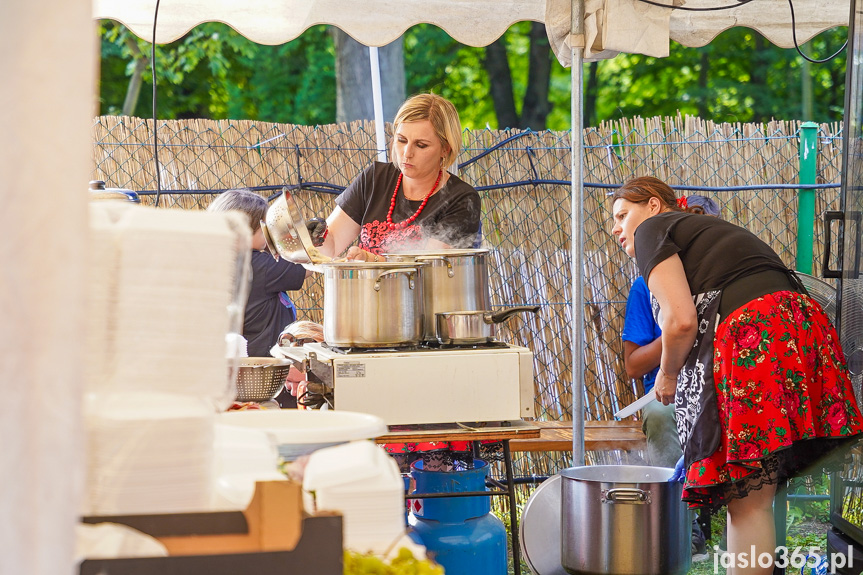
point(411, 219)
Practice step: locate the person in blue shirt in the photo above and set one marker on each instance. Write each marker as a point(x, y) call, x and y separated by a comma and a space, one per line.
point(642, 349)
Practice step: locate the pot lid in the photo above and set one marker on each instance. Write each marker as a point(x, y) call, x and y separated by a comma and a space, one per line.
point(619, 473)
point(540, 527)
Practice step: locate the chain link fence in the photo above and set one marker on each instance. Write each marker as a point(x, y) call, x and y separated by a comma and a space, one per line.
point(751, 170)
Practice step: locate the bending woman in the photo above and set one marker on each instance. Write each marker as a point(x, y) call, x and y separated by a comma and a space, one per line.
point(750, 361)
point(413, 203)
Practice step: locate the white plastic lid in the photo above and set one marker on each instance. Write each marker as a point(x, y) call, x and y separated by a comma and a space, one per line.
point(289, 426)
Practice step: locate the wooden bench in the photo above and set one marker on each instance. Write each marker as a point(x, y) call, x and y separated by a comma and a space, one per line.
point(598, 436)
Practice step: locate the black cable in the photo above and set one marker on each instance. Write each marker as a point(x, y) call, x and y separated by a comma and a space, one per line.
point(797, 46)
point(155, 127)
point(685, 9)
point(741, 3)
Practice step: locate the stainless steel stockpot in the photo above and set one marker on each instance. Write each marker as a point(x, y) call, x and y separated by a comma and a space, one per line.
point(453, 280)
point(370, 304)
point(623, 519)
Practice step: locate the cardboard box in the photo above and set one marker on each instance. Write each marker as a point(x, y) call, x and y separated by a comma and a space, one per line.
point(272, 535)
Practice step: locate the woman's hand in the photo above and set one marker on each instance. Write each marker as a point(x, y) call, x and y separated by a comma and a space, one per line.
point(665, 387)
point(356, 254)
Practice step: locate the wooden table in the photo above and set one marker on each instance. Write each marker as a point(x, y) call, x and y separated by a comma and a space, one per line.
point(497, 431)
point(494, 431)
point(598, 436)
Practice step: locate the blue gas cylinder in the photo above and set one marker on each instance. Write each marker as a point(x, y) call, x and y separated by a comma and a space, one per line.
point(461, 532)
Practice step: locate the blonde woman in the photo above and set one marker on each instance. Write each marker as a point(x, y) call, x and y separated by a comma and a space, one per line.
point(414, 202)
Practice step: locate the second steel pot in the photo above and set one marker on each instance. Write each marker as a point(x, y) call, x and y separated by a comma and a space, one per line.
point(474, 327)
point(372, 304)
point(453, 280)
point(623, 519)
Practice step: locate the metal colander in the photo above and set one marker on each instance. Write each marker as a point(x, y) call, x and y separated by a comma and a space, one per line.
point(261, 378)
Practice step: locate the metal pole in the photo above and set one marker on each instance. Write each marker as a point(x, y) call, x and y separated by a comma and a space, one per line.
point(577, 222)
point(806, 198)
point(378, 101)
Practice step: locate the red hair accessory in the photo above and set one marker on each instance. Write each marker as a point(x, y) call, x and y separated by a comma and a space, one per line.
point(681, 202)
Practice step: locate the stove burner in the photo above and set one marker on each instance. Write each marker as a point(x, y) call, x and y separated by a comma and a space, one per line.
point(424, 346)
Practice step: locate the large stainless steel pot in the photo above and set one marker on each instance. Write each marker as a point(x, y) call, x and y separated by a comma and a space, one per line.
point(624, 519)
point(372, 304)
point(474, 327)
point(453, 280)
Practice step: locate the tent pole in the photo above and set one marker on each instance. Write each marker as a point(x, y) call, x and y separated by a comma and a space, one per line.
point(577, 223)
point(378, 101)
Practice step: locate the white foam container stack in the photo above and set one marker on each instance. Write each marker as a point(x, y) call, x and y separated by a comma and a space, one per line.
point(362, 482)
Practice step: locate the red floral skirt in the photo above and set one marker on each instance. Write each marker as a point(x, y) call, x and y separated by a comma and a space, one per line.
point(784, 396)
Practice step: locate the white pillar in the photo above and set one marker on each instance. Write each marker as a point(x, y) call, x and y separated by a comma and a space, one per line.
point(48, 56)
point(378, 102)
point(577, 207)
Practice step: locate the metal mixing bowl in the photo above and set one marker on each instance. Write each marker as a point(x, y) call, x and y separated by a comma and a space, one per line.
point(286, 234)
point(261, 378)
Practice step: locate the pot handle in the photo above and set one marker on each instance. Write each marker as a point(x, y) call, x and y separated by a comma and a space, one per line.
point(505, 314)
point(449, 271)
point(625, 495)
point(411, 273)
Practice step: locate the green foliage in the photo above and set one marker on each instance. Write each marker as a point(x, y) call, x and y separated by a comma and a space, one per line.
point(738, 77)
point(213, 72)
point(434, 62)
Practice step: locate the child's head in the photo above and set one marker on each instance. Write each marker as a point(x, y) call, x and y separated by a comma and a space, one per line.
point(246, 201)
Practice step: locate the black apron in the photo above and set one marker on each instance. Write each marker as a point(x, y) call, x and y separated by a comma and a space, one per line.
point(695, 407)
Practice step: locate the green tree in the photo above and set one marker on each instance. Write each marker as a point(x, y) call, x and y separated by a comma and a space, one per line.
point(214, 72)
point(738, 77)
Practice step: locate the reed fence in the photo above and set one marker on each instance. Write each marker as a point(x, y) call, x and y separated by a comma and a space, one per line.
point(523, 178)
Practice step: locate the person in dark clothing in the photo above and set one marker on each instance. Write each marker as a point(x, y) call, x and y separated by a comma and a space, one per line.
point(642, 348)
point(268, 309)
point(750, 361)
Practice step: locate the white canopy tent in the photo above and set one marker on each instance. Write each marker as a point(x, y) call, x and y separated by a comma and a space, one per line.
point(49, 62)
point(612, 25)
point(578, 30)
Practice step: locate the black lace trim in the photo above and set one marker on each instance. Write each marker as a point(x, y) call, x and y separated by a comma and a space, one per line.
point(802, 458)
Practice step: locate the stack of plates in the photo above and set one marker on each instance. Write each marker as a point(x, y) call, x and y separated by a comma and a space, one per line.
point(148, 453)
point(360, 481)
point(161, 298)
point(164, 290)
point(176, 275)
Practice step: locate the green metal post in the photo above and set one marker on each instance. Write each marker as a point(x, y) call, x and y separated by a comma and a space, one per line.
point(806, 198)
